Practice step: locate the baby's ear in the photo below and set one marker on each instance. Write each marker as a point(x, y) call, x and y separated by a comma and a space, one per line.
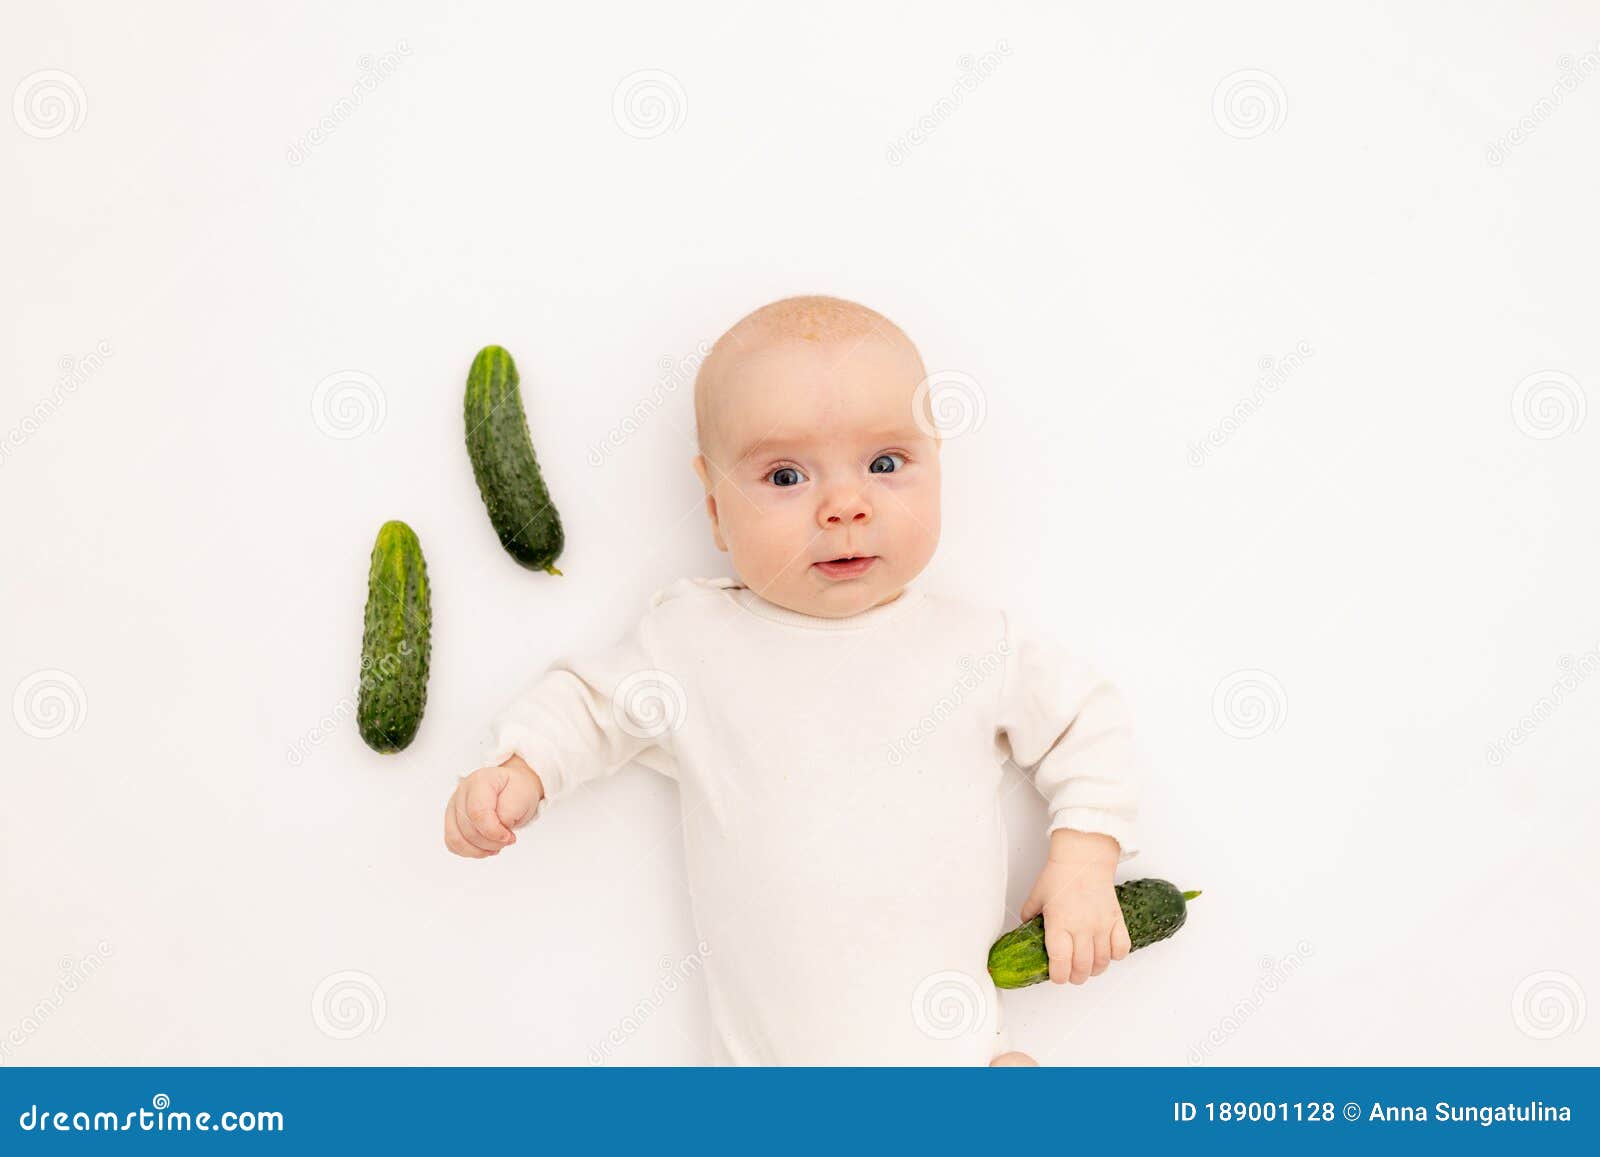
point(711, 501)
point(716, 525)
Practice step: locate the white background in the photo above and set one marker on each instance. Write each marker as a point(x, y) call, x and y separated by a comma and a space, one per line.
point(1396, 538)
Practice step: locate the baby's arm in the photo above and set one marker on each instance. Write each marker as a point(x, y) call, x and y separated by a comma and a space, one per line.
point(1067, 728)
point(580, 721)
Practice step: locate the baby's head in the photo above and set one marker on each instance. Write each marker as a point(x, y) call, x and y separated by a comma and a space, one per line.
point(812, 448)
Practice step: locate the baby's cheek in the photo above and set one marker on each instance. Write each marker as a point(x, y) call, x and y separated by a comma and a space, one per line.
point(762, 547)
point(923, 523)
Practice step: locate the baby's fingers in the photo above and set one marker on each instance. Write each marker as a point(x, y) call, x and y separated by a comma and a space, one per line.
point(452, 834)
point(476, 818)
point(1082, 956)
point(1058, 947)
point(1102, 953)
point(1121, 945)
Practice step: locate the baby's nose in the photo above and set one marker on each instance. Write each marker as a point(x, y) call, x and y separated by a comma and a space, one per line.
point(852, 509)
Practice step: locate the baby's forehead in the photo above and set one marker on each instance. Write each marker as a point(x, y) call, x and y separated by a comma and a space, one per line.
point(839, 378)
point(807, 363)
point(798, 400)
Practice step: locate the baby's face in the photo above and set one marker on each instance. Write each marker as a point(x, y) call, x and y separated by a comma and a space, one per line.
point(815, 453)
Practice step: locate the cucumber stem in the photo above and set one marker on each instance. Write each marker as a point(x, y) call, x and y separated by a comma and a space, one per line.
point(551, 569)
point(1190, 895)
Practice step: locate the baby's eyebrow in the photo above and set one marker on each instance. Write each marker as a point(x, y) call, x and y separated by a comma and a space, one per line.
point(773, 443)
point(789, 441)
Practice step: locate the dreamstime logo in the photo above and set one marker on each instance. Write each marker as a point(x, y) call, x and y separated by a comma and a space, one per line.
point(949, 1004)
point(1573, 73)
point(973, 672)
point(949, 403)
point(649, 103)
point(674, 373)
point(675, 975)
point(1247, 704)
point(1274, 372)
point(1276, 971)
point(49, 103)
point(348, 404)
point(49, 703)
point(1573, 672)
point(74, 373)
point(75, 972)
point(348, 1004)
point(374, 71)
point(1548, 404)
point(974, 70)
point(649, 703)
point(1248, 103)
point(1548, 1004)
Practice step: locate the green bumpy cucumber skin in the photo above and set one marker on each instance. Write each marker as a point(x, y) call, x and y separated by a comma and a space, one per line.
point(1152, 909)
point(395, 641)
point(504, 464)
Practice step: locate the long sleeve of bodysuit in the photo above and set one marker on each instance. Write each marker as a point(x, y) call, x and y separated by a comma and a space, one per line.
point(588, 715)
point(1068, 730)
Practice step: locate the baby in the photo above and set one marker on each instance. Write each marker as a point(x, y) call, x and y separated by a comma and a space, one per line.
point(837, 733)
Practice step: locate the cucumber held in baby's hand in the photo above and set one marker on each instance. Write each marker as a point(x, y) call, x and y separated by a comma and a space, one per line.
point(1152, 910)
point(504, 464)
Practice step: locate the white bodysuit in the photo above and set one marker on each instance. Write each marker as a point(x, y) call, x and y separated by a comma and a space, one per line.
point(839, 783)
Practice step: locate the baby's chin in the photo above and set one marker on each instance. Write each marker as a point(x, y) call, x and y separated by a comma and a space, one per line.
point(833, 598)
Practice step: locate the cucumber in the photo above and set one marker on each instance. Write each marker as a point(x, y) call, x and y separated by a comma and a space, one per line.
point(504, 464)
point(394, 641)
point(1152, 910)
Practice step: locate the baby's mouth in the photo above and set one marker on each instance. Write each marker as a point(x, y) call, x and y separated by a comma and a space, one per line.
point(847, 566)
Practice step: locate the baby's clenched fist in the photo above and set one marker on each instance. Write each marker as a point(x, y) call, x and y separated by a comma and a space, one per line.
point(488, 805)
point(1084, 930)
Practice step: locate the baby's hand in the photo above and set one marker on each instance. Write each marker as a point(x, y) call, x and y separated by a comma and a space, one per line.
point(487, 805)
point(1083, 926)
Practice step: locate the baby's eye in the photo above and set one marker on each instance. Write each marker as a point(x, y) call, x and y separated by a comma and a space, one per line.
point(786, 476)
point(885, 464)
